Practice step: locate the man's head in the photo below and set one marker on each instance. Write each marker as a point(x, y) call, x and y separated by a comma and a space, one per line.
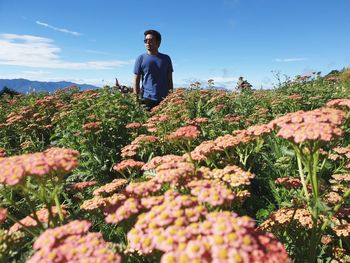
point(152, 39)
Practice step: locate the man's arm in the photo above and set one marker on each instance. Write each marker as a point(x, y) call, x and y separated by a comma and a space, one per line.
point(170, 81)
point(137, 89)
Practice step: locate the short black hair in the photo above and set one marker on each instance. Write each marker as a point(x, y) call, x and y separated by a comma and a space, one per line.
point(154, 33)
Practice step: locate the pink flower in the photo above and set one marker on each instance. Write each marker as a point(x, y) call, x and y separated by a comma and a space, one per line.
point(184, 133)
point(3, 215)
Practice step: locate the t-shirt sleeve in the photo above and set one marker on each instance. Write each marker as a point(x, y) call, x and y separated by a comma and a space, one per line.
point(137, 66)
point(171, 69)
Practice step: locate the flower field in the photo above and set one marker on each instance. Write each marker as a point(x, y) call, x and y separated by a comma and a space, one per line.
point(207, 176)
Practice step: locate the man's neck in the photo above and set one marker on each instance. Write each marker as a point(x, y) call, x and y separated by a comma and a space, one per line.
point(152, 53)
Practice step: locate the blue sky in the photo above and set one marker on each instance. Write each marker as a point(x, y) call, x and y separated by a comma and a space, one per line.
point(94, 41)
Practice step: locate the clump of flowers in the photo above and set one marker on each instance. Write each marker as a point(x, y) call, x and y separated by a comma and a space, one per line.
point(282, 218)
point(128, 166)
point(9, 242)
point(205, 151)
point(158, 160)
point(111, 187)
point(98, 201)
point(137, 144)
point(81, 185)
point(3, 215)
point(92, 127)
point(184, 133)
point(289, 183)
point(72, 243)
point(41, 216)
point(175, 173)
point(54, 160)
point(133, 125)
point(233, 175)
point(213, 192)
point(339, 103)
point(211, 237)
point(2, 152)
point(317, 125)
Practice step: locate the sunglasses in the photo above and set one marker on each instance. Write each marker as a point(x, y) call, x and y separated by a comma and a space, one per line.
point(148, 40)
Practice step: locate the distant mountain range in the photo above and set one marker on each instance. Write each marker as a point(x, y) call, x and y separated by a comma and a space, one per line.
point(25, 85)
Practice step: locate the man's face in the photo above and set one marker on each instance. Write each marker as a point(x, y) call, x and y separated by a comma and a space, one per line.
point(151, 43)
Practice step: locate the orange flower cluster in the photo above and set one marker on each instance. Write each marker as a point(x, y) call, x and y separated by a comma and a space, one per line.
point(54, 160)
point(81, 185)
point(290, 183)
point(180, 174)
point(184, 237)
point(333, 198)
point(344, 151)
point(131, 149)
point(2, 152)
point(100, 202)
point(128, 164)
point(153, 121)
point(184, 133)
point(295, 97)
point(302, 216)
point(284, 216)
point(213, 192)
point(233, 175)
point(42, 216)
point(241, 137)
point(158, 160)
point(92, 127)
point(197, 121)
point(210, 148)
point(37, 116)
point(133, 125)
point(111, 187)
point(232, 119)
point(340, 183)
point(340, 178)
point(142, 189)
point(204, 151)
point(339, 103)
point(144, 139)
point(320, 124)
point(72, 243)
point(174, 173)
point(3, 215)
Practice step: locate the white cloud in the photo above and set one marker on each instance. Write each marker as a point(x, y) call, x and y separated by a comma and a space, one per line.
point(97, 52)
point(63, 30)
point(40, 52)
point(220, 82)
point(289, 59)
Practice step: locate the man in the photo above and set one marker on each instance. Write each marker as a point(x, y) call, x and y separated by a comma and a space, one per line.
point(155, 70)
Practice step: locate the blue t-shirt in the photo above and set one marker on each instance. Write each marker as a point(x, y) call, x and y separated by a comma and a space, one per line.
point(154, 70)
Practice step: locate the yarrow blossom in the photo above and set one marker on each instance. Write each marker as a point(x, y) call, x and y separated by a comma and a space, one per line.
point(72, 243)
point(41, 215)
point(81, 185)
point(233, 175)
point(212, 237)
point(110, 187)
point(3, 215)
point(133, 125)
point(2, 152)
point(14, 169)
point(317, 125)
point(158, 160)
point(290, 183)
point(128, 164)
point(339, 103)
point(184, 133)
